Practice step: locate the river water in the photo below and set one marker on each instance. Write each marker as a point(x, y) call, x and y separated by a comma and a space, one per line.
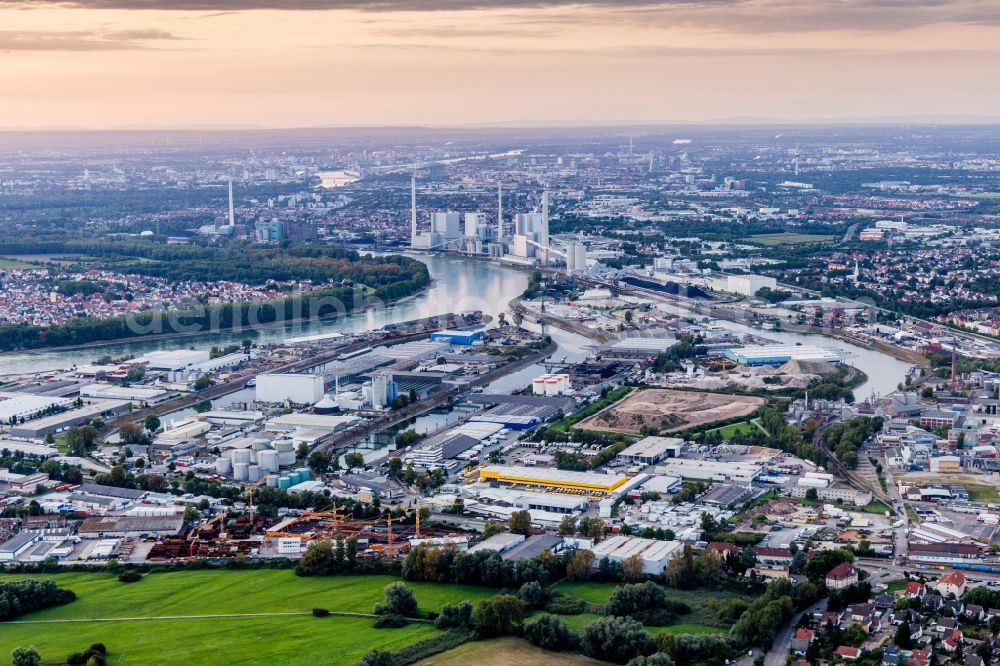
point(458, 285)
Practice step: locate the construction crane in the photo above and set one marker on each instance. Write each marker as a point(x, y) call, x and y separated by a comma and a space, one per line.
point(331, 512)
point(389, 520)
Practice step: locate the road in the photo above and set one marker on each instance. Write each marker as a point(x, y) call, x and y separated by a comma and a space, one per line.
point(849, 234)
point(778, 654)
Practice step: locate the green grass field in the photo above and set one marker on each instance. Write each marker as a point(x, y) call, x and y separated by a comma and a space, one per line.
point(875, 506)
point(982, 493)
point(789, 238)
point(701, 619)
point(894, 586)
point(14, 264)
point(103, 604)
point(744, 427)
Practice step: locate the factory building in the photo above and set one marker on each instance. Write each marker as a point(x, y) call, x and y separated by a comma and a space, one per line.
point(554, 479)
point(299, 389)
point(747, 285)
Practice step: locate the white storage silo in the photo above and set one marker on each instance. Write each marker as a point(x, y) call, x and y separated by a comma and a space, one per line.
point(268, 460)
point(253, 473)
point(223, 466)
point(241, 471)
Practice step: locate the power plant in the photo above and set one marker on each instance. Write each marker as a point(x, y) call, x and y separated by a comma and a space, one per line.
point(472, 234)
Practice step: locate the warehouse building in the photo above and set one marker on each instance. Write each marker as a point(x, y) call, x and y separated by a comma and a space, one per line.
point(554, 479)
point(501, 542)
point(638, 348)
point(23, 406)
point(434, 452)
point(655, 555)
point(56, 423)
point(532, 547)
point(38, 450)
point(778, 354)
point(17, 545)
point(327, 423)
point(651, 450)
point(533, 500)
point(174, 360)
point(131, 526)
point(113, 392)
point(457, 337)
point(710, 470)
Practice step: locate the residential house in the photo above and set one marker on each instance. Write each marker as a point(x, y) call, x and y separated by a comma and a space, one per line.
point(951, 642)
point(945, 625)
point(800, 642)
point(864, 615)
point(951, 584)
point(773, 556)
point(841, 576)
point(848, 653)
point(975, 612)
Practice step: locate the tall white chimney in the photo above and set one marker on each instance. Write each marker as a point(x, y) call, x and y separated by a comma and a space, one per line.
point(232, 216)
point(499, 211)
point(413, 207)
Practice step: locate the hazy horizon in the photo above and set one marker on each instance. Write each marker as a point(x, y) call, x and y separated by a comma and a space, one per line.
point(156, 64)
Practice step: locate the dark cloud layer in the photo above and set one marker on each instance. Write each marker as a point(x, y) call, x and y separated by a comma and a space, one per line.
point(758, 16)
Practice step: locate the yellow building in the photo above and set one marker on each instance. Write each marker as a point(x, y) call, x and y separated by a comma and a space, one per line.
point(553, 479)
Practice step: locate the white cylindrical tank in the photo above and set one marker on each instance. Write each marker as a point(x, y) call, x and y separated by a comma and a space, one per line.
point(241, 471)
point(223, 466)
point(268, 460)
point(253, 473)
point(271, 480)
point(242, 456)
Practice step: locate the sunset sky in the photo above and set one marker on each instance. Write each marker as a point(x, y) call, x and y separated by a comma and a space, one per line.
point(277, 63)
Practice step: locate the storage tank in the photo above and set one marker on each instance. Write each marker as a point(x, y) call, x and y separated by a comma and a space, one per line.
point(223, 466)
point(271, 480)
point(268, 460)
point(294, 477)
point(286, 453)
point(284, 482)
point(241, 471)
point(256, 449)
point(241, 457)
point(303, 473)
point(253, 473)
